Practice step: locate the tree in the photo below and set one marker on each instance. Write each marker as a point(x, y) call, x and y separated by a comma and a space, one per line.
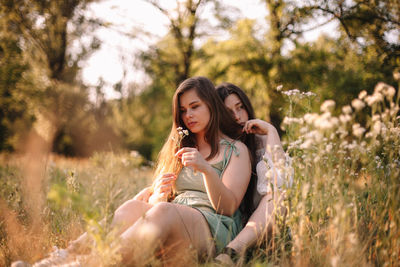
point(44, 32)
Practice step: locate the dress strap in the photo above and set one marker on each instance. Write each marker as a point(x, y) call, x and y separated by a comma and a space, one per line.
point(229, 149)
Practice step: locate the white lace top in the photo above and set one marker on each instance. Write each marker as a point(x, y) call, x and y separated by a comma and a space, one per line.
point(270, 176)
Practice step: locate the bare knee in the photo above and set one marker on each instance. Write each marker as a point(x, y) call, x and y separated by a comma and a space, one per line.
point(163, 210)
point(129, 210)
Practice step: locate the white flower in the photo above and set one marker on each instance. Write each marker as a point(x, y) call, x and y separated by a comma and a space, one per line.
point(376, 117)
point(345, 118)
point(290, 120)
point(396, 75)
point(279, 87)
point(375, 98)
point(376, 128)
point(357, 104)
point(390, 92)
point(347, 109)
point(362, 94)
point(310, 118)
point(310, 94)
point(379, 87)
point(307, 144)
point(328, 105)
point(358, 131)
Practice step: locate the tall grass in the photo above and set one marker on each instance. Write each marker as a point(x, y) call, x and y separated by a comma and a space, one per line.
point(343, 208)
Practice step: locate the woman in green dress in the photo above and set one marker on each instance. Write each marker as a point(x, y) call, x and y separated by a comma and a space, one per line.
point(211, 170)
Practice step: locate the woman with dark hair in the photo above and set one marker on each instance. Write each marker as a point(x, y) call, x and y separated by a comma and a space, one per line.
point(273, 169)
point(211, 170)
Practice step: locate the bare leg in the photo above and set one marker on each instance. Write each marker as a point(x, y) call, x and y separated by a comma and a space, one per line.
point(259, 225)
point(171, 227)
point(125, 216)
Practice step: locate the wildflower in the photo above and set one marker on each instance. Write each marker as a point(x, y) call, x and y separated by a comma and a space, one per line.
point(347, 109)
point(328, 148)
point(396, 75)
point(325, 121)
point(362, 94)
point(307, 144)
point(279, 87)
point(376, 128)
point(375, 98)
point(376, 117)
point(358, 131)
point(389, 92)
point(310, 118)
point(292, 92)
point(379, 87)
point(357, 104)
point(345, 118)
point(328, 105)
point(290, 120)
point(309, 94)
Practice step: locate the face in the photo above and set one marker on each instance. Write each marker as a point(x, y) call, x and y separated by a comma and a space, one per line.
point(235, 105)
point(194, 112)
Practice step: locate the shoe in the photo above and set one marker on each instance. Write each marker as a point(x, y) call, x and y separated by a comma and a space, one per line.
point(56, 258)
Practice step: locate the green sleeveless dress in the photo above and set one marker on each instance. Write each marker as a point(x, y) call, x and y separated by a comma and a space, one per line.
point(191, 192)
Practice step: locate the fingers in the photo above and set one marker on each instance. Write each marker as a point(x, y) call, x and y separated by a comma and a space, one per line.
point(184, 150)
point(166, 178)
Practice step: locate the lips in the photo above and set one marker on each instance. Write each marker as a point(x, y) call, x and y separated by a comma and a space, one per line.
point(191, 124)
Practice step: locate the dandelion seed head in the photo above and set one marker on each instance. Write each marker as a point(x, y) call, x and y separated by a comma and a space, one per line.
point(362, 94)
point(357, 104)
point(307, 144)
point(310, 118)
point(345, 118)
point(379, 87)
point(328, 105)
point(396, 75)
point(358, 131)
point(347, 109)
point(376, 128)
point(375, 98)
point(390, 92)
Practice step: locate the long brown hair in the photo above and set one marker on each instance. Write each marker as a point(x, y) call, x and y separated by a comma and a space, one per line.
point(224, 90)
point(220, 121)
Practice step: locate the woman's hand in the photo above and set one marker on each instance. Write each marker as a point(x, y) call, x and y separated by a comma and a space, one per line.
point(191, 157)
point(162, 188)
point(257, 126)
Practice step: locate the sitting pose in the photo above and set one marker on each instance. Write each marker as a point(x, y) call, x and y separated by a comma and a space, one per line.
point(210, 169)
point(273, 169)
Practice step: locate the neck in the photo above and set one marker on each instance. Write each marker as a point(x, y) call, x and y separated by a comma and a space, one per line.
point(203, 147)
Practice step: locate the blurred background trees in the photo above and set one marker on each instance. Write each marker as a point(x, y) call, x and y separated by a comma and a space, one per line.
point(44, 44)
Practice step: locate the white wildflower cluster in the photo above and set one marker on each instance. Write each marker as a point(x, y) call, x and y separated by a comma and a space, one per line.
point(296, 93)
point(328, 106)
point(323, 135)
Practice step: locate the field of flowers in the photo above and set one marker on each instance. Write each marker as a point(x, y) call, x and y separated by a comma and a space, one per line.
point(343, 207)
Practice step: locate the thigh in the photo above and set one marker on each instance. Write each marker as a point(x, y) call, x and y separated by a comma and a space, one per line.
point(185, 227)
point(129, 212)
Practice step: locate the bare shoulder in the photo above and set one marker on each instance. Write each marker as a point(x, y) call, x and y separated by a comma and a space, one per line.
point(240, 146)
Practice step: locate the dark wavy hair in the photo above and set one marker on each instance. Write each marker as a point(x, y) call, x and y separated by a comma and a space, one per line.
point(224, 90)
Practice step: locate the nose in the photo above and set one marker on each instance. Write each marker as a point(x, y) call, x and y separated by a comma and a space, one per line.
point(236, 115)
point(189, 113)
